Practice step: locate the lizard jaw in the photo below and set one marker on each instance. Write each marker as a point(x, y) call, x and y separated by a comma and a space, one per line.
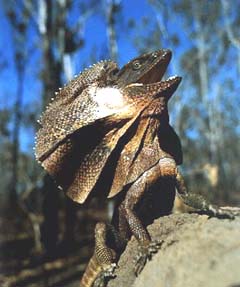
point(156, 72)
point(162, 89)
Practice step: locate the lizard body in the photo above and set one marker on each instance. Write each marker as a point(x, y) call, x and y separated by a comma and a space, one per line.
point(113, 123)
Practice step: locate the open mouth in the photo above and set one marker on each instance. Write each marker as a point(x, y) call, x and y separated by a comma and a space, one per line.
point(153, 77)
point(160, 62)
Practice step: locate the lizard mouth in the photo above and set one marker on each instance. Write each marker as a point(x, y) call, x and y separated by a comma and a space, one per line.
point(153, 76)
point(161, 89)
point(160, 61)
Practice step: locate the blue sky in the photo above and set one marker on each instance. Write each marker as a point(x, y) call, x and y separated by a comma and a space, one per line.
point(95, 38)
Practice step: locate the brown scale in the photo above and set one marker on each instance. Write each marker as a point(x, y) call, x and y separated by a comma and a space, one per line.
point(130, 153)
point(73, 106)
point(72, 109)
point(93, 164)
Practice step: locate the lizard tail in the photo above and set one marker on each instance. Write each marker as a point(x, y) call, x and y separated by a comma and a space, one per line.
point(92, 271)
point(101, 265)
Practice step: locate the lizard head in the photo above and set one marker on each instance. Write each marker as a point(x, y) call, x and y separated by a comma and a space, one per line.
point(147, 68)
point(143, 79)
point(137, 84)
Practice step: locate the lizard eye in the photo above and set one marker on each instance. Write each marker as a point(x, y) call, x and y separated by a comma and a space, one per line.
point(136, 65)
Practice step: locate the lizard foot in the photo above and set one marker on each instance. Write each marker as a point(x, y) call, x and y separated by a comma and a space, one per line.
point(105, 275)
point(145, 253)
point(199, 203)
point(220, 212)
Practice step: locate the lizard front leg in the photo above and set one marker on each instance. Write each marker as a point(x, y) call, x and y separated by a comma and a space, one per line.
point(198, 202)
point(166, 167)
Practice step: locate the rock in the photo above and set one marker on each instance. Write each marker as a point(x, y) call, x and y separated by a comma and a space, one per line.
point(197, 251)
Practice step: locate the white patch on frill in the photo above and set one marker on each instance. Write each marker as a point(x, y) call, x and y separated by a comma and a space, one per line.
point(109, 100)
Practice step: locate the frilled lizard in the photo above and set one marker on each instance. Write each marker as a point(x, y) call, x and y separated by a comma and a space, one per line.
point(108, 132)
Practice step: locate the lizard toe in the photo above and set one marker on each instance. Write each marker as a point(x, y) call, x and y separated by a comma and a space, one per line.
point(145, 253)
point(105, 275)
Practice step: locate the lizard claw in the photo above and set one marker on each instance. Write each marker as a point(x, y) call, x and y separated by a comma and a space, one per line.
point(105, 275)
point(220, 212)
point(145, 253)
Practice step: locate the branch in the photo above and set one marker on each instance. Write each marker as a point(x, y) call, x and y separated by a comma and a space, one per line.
point(110, 15)
point(232, 38)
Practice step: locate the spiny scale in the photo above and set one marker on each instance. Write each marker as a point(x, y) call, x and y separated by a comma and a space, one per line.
point(72, 109)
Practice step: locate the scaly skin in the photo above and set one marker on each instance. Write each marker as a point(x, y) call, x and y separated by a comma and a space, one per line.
point(102, 262)
point(111, 125)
